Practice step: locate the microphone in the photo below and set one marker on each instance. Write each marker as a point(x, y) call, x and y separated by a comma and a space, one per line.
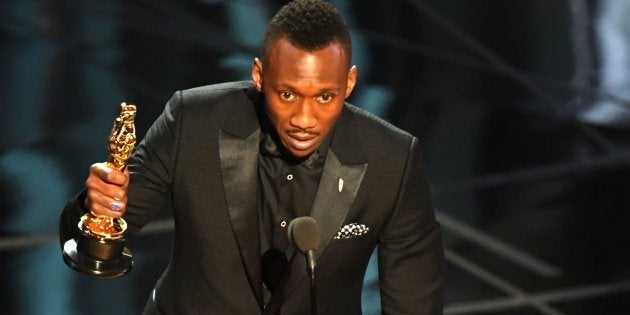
point(303, 232)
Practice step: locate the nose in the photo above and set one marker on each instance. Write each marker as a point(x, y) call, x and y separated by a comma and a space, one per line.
point(304, 116)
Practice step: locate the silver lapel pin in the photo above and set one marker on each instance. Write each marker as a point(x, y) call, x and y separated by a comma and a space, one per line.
point(340, 184)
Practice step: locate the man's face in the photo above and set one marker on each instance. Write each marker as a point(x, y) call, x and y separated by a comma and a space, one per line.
point(305, 92)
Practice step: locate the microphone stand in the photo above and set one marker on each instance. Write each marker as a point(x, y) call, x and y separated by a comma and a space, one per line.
point(303, 232)
point(310, 261)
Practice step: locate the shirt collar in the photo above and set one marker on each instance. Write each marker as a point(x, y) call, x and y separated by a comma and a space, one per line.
point(271, 146)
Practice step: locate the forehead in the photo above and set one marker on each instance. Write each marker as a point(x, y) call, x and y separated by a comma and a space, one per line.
point(272, 43)
point(282, 51)
point(286, 61)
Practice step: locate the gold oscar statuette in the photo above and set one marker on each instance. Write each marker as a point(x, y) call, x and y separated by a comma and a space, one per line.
point(99, 249)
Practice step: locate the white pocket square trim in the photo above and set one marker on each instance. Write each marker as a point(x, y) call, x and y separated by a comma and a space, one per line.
point(351, 230)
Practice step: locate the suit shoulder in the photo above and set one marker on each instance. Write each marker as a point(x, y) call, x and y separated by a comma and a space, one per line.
point(210, 94)
point(377, 128)
point(212, 105)
point(373, 139)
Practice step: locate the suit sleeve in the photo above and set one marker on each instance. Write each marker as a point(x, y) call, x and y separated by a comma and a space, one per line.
point(410, 250)
point(70, 217)
point(151, 169)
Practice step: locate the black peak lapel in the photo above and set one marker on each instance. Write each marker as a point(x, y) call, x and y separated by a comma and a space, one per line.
point(239, 170)
point(341, 178)
point(337, 189)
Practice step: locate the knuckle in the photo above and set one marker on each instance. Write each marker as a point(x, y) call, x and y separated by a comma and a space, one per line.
point(117, 193)
point(90, 196)
point(98, 210)
point(109, 176)
point(90, 181)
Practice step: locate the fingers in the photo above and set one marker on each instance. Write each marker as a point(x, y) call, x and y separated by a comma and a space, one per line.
point(102, 205)
point(126, 173)
point(106, 191)
point(109, 175)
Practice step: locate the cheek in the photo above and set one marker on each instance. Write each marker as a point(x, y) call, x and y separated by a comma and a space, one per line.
point(277, 115)
point(328, 117)
point(334, 111)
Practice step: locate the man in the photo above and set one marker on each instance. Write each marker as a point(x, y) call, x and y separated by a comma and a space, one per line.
point(239, 161)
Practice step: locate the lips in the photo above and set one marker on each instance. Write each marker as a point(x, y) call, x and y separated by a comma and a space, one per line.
point(301, 141)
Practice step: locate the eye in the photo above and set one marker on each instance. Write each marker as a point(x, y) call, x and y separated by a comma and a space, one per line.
point(324, 98)
point(287, 96)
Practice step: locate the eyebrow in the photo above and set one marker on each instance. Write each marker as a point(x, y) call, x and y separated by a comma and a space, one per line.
point(284, 86)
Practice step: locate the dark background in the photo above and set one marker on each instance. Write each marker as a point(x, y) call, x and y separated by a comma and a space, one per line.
point(522, 108)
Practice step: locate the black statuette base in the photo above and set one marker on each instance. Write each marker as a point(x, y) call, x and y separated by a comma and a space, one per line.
point(98, 258)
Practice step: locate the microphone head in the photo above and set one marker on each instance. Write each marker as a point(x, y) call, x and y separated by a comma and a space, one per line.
point(303, 232)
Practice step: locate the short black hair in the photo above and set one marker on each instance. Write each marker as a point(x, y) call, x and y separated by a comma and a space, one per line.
point(310, 25)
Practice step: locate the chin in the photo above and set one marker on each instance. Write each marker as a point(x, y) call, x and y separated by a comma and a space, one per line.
point(300, 154)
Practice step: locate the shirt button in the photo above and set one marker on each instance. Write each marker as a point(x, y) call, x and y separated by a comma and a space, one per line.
point(290, 177)
point(283, 223)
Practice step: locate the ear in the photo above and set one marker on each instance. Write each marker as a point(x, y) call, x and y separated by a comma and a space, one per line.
point(257, 74)
point(352, 80)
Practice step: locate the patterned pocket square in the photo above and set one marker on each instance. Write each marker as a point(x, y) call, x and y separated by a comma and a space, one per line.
point(352, 230)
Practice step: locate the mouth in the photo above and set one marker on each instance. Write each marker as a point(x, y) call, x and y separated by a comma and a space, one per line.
point(301, 141)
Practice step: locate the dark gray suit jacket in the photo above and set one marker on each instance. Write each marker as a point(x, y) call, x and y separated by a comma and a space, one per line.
point(201, 155)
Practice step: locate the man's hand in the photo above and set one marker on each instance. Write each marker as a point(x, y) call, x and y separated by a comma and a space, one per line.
point(106, 191)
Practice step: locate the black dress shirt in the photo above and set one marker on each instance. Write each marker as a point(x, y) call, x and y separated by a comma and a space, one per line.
point(287, 187)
